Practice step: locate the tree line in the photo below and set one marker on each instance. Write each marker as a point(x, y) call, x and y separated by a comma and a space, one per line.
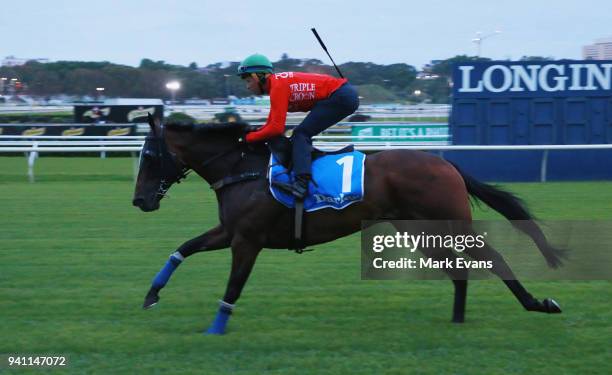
point(375, 82)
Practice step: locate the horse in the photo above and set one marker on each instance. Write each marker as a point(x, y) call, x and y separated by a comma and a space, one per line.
point(399, 185)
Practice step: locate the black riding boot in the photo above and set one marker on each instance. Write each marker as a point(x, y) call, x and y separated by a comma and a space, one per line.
point(300, 186)
point(301, 160)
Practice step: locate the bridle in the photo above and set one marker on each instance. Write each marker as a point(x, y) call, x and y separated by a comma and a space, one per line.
point(171, 170)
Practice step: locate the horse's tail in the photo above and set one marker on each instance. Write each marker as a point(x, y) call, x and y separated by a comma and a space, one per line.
point(513, 209)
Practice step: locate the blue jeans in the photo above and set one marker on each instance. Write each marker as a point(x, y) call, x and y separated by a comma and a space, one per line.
point(341, 103)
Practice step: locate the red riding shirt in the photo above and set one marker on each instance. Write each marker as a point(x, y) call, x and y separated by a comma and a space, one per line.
point(293, 92)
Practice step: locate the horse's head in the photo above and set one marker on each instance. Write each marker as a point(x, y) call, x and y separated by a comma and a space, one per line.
point(170, 151)
point(158, 169)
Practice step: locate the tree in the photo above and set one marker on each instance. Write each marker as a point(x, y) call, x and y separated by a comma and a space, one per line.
point(393, 82)
point(445, 67)
point(536, 58)
point(376, 94)
point(150, 64)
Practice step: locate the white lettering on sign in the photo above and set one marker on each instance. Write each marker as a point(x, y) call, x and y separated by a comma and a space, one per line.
point(520, 75)
point(548, 77)
point(466, 79)
point(506, 83)
point(543, 78)
point(602, 77)
point(576, 77)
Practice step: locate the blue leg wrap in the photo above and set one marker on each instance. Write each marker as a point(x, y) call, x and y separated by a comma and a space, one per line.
point(218, 325)
point(164, 274)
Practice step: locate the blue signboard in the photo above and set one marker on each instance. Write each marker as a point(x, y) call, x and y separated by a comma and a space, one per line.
point(533, 103)
point(532, 79)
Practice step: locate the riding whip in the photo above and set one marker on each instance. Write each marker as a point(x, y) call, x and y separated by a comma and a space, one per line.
point(314, 31)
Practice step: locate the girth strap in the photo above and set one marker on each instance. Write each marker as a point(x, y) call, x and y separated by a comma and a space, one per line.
point(298, 244)
point(235, 179)
point(297, 241)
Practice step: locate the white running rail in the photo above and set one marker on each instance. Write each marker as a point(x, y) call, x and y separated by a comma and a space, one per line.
point(31, 146)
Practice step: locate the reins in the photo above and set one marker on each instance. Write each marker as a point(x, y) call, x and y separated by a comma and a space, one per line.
point(172, 174)
point(231, 179)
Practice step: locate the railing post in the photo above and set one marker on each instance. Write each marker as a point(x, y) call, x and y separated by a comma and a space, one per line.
point(31, 159)
point(102, 153)
point(136, 164)
point(544, 166)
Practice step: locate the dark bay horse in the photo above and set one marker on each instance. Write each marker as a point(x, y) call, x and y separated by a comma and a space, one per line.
point(399, 185)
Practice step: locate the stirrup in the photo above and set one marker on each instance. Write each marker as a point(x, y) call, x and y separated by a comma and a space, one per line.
point(291, 188)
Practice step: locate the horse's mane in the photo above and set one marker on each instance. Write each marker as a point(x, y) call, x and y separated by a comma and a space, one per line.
point(211, 127)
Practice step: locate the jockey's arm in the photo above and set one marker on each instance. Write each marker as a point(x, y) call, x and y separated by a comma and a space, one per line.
point(275, 125)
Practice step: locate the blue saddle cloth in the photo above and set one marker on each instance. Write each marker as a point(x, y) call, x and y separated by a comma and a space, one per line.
point(338, 181)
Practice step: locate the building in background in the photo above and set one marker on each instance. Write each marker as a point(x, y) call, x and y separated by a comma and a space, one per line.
point(426, 72)
point(600, 50)
point(16, 61)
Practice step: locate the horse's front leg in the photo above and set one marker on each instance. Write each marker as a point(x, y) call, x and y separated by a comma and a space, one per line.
point(244, 254)
point(215, 239)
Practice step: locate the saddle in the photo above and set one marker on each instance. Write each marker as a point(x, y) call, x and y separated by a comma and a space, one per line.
point(282, 150)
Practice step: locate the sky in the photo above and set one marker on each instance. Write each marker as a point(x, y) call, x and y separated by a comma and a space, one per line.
point(379, 31)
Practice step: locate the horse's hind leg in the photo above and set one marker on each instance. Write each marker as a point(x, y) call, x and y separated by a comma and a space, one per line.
point(503, 271)
point(214, 239)
point(460, 299)
point(459, 277)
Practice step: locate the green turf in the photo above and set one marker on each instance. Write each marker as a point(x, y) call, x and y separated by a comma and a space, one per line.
point(77, 259)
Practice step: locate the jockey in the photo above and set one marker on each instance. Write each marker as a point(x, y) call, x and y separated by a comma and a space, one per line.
point(328, 99)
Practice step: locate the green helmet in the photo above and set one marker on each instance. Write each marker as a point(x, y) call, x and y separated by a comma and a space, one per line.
point(255, 64)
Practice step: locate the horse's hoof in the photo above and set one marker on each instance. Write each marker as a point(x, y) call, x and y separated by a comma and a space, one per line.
point(213, 331)
point(552, 307)
point(458, 320)
point(151, 300)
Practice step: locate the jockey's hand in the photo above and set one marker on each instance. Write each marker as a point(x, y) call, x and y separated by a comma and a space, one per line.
point(252, 128)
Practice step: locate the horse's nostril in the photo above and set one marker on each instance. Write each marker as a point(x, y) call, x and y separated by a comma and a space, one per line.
point(138, 202)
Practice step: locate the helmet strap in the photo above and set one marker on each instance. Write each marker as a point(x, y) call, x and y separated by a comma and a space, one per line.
point(261, 82)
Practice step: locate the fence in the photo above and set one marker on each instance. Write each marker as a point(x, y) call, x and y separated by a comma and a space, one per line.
point(31, 146)
point(207, 112)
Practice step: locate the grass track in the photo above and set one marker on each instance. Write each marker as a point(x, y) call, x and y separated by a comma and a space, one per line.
point(77, 260)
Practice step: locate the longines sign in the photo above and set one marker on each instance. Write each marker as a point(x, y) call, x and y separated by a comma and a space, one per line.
point(533, 79)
